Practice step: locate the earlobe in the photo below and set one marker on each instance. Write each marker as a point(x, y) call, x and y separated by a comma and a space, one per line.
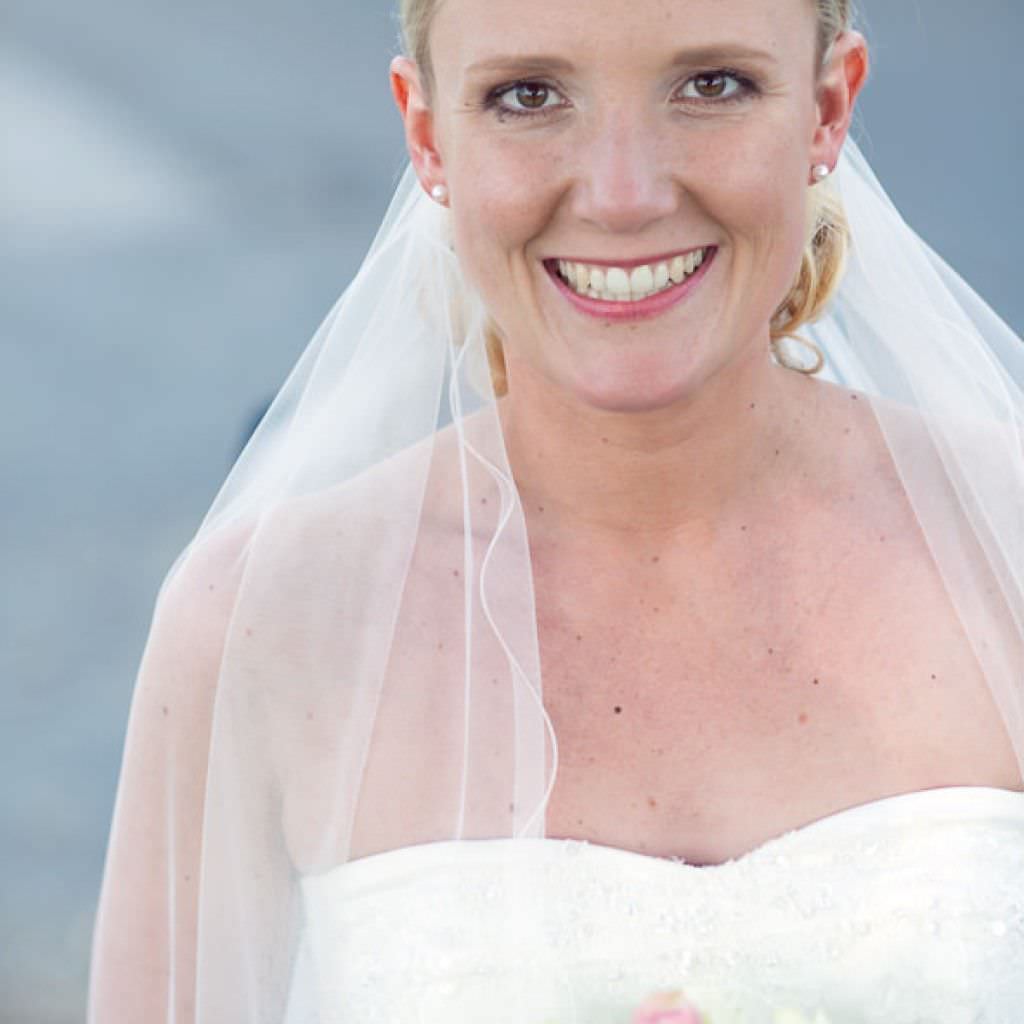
point(418, 120)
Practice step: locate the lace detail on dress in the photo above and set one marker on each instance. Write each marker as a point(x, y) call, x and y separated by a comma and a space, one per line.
point(903, 911)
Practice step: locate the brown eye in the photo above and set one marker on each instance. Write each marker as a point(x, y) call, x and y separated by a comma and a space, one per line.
point(532, 96)
point(525, 99)
point(714, 85)
point(711, 87)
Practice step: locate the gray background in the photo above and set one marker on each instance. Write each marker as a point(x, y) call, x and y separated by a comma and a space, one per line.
point(184, 190)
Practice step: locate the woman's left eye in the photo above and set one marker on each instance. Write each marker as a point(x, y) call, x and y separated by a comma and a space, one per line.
point(715, 85)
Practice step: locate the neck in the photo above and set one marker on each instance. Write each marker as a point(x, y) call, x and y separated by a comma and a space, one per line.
point(671, 471)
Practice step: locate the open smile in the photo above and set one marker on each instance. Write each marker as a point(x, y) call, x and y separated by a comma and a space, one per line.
point(630, 290)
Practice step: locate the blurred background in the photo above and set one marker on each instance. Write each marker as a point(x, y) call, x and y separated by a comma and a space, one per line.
point(184, 191)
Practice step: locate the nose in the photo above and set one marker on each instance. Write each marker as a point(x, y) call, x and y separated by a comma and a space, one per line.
point(624, 179)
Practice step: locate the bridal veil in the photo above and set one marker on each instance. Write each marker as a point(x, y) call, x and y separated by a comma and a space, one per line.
point(345, 661)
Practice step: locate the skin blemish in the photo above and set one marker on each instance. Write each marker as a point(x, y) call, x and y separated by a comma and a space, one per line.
point(309, 716)
point(778, 451)
point(771, 650)
point(803, 718)
point(164, 709)
point(248, 632)
point(753, 405)
point(651, 802)
point(817, 682)
point(455, 572)
point(656, 559)
point(579, 637)
point(540, 508)
point(483, 501)
point(212, 587)
point(656, 610)
point(618, 709)
point(856, 398)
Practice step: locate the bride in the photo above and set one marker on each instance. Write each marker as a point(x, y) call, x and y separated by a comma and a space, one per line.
point(625, 592)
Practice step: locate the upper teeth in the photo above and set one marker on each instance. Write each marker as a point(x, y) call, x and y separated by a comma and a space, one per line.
point(614, 284)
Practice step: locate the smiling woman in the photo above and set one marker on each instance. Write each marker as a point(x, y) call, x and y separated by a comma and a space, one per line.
point(682, 650)
point(714, 78)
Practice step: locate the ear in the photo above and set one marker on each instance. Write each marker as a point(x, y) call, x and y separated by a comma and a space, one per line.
point(418, 119)
point(839, 84)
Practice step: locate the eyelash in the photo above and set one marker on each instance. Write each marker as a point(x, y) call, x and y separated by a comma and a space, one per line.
point(747, 88)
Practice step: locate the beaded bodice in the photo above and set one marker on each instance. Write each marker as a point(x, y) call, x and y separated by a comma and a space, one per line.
point(903, 911)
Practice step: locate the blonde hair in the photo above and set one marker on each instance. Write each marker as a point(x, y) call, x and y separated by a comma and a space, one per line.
point(828, 233)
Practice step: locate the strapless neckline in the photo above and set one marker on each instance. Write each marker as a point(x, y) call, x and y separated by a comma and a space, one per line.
point(908, 908)
point(943, 801)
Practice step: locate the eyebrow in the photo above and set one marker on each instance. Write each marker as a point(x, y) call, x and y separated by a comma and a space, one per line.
point(709, 54)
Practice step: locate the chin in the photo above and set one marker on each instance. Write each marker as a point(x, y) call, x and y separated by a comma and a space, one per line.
point(637, 390)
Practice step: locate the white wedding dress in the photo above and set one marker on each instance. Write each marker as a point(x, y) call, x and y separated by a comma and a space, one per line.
point(904, 910)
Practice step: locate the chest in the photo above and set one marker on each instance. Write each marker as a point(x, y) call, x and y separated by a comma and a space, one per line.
point(701, 720)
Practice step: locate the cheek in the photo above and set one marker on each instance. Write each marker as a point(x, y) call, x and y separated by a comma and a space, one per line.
point(761, 177)
point(759, 196)
point(501, 205)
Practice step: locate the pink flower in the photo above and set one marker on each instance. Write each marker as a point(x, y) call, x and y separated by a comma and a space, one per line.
point(667, 1008)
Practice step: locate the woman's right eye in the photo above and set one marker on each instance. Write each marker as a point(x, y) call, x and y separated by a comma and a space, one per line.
point(524, 99)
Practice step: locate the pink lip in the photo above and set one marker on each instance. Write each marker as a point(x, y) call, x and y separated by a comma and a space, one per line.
point(652, 306)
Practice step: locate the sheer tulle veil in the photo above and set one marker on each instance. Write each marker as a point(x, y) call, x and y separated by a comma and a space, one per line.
point(345, 659)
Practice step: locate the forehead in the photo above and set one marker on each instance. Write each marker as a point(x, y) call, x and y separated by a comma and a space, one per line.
point(468, 33)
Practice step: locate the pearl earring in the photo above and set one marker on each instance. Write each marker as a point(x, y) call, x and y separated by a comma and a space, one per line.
point(820, 172)
point(439, 193)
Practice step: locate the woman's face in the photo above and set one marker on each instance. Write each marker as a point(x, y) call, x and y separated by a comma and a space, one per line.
point(632, 142)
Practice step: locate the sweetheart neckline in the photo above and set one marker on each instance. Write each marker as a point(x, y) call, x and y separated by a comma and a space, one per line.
point(843, 818)
point(967, 797)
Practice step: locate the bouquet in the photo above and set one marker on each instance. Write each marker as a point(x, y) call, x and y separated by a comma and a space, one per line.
point(675, 1008)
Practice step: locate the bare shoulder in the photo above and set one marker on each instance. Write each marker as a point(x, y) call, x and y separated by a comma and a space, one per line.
point(344, 591)
point(190, 621)
point(257, 588)
point(889, 483)
point(890, 428)
point(925, 588)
